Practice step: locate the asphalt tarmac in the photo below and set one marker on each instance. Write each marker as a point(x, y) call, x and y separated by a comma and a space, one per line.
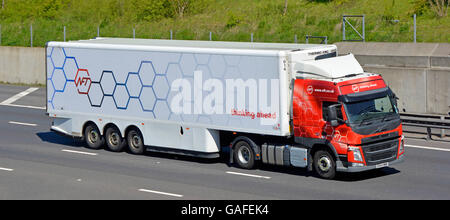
point(38, 164)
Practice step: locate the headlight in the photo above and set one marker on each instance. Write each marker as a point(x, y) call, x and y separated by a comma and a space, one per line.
point(402, 145)
point(356, 154)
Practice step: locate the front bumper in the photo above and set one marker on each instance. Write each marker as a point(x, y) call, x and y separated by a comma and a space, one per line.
point(340, 167)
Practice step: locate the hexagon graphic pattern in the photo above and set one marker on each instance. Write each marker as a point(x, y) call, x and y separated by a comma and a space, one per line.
point(162, 110)
point(133, 85)
point(108, 83)
point(144, 85)
point(121, 97)
point(147, 99)
point(96, 95)
point(70, 68)
point(58, 57)
point(59, 80)
point(147, 73)
point(161, 87)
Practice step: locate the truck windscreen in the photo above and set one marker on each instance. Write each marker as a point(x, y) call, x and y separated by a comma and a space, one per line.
point(368, 110)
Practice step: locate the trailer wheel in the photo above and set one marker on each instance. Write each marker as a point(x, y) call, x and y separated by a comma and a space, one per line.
point(135, 142)
point(114, 139)
point(93, 138)
point(324, 164)
point(244, 155)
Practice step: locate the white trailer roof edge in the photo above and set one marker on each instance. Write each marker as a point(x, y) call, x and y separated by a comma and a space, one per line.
point(164, 49)
point(220, 47)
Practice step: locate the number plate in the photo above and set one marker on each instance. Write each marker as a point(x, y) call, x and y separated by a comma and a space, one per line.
point(382, 165)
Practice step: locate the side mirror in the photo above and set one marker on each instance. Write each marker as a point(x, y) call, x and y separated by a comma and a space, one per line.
point(332, 114)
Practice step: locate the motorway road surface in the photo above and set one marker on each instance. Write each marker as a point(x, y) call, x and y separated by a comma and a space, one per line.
point(38, 164)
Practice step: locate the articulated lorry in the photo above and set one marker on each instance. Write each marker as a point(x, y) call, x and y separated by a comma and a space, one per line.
point(281, 104)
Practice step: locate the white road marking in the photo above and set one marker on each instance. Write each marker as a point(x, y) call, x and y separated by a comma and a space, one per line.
point(22, 123)
point(6, 169)
point(428, 148)
point(18, 96)
point(24, 106)
point(249, 175)
point(80, 152)
point(162, 193)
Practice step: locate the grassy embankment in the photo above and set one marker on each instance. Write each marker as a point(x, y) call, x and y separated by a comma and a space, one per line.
point(229, 20)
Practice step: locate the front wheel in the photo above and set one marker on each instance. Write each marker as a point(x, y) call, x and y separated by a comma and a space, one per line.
point(324, 164)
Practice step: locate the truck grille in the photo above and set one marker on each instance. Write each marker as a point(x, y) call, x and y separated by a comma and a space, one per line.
point(380, 151)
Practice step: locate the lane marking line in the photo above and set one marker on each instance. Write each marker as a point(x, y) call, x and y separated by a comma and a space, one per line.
point(162, 193)
point(80, 152)
point(249, 175)
point(22, 123)
point(19, 95)
point(427, 148)
point(6, 169)
point(23, 106)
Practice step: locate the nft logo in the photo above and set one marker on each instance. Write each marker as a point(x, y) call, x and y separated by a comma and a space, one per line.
point(83, 81)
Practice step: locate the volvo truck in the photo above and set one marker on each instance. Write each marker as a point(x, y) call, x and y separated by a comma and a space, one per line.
point(298, 105)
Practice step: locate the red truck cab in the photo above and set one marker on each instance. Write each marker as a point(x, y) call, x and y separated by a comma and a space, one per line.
point(350, 123)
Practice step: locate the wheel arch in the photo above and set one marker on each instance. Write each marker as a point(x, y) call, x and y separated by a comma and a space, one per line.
point(256, 148)
point(324, 146)
point(89, 123)
point(109, 125)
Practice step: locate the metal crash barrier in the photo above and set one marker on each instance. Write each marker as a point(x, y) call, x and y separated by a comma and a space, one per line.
point(428, 122)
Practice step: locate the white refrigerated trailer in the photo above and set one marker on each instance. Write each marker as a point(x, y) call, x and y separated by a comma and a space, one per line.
point(186, 97)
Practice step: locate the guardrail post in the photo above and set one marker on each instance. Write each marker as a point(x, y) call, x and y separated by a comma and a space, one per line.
point(363, 28)
point(31, 35)
point(428, 133)
point(415, 29)
point(442, 130)
point(343, 28)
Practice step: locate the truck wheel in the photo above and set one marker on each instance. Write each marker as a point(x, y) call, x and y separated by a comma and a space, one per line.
point(324, 164)
point(135, 142)
point(93, 138)
point(244, 155)
point(114, 139)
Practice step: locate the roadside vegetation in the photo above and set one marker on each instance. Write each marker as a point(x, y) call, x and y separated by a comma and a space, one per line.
point(228, 20)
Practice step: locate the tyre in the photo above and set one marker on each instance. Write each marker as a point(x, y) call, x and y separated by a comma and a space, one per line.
point(135, 142)
point(114, 139)
point(93, 138)
point(244, 155)
point(324, 164)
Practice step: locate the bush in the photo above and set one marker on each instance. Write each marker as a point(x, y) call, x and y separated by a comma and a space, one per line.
point(182, 7)
point(419, 7)
point(152, 10)
point(233, 20)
